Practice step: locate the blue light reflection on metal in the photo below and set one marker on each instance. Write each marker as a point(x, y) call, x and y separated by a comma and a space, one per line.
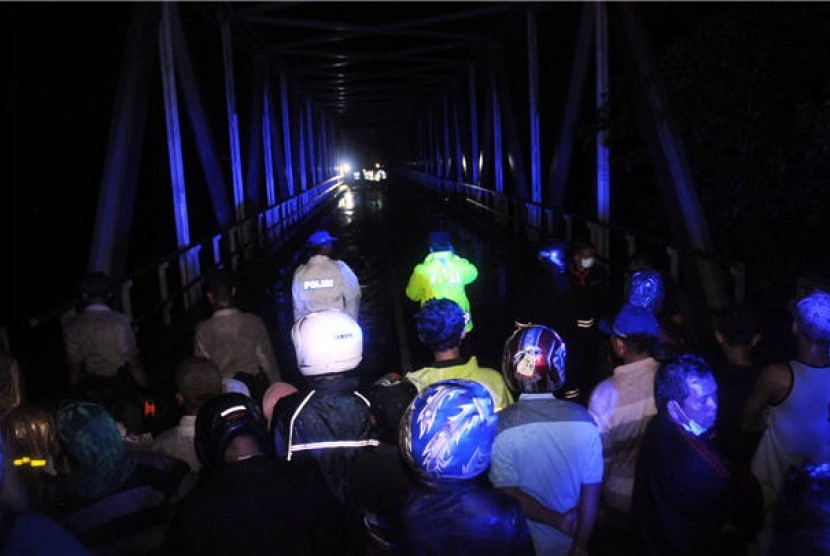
point(188, 260)
point(233, 124)
point(268, 153)
point(459, 153)
point(286, 135)
point(474, 155)
point(446, 127)
point(309, 133)
point(126, 137)
point(174, 138)
point(603, 166)
point(497, 148)
point(301, 150)
point(208, 157)
point(533, 97)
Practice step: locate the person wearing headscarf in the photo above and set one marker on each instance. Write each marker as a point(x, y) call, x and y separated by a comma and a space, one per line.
point(113, 500)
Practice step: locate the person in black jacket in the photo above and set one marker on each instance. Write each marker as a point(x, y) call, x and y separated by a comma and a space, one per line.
point(446, 437)
point(326, 422)
point(261, 504)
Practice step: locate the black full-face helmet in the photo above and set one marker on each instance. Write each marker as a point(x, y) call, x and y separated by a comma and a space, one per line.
point(221, 420)
point(534, 359)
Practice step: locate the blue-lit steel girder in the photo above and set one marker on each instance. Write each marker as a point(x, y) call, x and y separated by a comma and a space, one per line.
point(311, 137)
point(110, 237)
point(268, 152)
point(188, 261)
point(255, 144)
point(205, 145)
point(533, 98)
point(233, 124)
point(561, 161)
point(475, 158)
point(445, 121)
point(602, 106)
point(288, 159)
point(322, 151)
point(301, 147)
point(459, 149)
point(498, 153)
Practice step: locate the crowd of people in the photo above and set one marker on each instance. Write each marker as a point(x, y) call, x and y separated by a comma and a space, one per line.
point(610, 436)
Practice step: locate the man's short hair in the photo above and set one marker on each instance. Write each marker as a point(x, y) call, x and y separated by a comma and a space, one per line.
point(220, 284)
point(670, 380)
point(738, 326)
point(812, 315)
point(440, 323)
point(580, 245)
point(96, 284)
point(639, 343)
point(198, 380)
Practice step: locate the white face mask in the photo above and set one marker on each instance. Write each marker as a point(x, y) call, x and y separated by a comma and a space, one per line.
point(587, 263)
point(691, 426)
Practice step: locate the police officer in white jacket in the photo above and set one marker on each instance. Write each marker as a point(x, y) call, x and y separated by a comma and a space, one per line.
point(323, 282)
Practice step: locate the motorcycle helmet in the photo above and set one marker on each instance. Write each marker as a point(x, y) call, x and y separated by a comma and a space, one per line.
point(447, 431)
point(534, 359)
point(221, 420)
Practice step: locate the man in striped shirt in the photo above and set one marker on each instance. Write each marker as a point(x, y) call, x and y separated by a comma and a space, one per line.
point(622, 406)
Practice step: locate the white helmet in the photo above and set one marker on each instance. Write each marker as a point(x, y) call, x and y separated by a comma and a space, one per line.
point(328, 341)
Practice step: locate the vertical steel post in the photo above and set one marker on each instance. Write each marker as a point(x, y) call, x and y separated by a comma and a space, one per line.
point(233, 124)
point(561, 162)
point(603, 152)
point(268, 154)
point(188, 263)
point(497, 147)
point(459, 150)
point(286, 135)
point(445, 112)
point(603, 170)
point(474, 155)
point(119, 179)
point(324, 148)
point(301, 148)
point(433, 148)
point(311, 142)
point(533, 98)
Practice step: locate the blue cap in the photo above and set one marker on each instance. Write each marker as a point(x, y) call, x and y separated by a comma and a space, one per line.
point(320, 237)
point(440, 241)
point(633, 320)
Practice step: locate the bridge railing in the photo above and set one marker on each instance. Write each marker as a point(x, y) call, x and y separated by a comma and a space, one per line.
point(615, 244)
point(161, 290)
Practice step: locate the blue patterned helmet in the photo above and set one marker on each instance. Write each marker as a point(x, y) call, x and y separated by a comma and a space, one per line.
point(447, 431)
point(534, 359)
point(645, 289)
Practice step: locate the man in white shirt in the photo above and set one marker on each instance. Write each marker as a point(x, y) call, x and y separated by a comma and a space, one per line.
point(236, 341)
point(198, 381)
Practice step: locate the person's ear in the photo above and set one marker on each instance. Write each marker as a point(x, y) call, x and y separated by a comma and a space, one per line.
point(719, 338)
point(463, 334)
point(618, 346)
point(756, 339)
point(676, 413)
point(179, 398)
point(209, 296)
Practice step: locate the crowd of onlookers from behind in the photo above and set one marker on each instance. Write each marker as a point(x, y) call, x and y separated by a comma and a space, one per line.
point(608, 437)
